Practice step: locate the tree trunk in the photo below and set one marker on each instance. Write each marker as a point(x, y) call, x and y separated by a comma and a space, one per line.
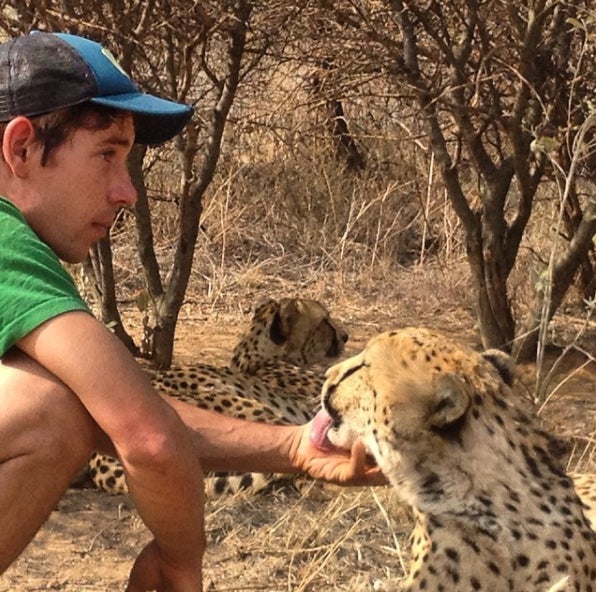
point(346, 147)
point(561, 278)
point(496, 322)
point(167, 303)
point(572, 218)
point(99, 269)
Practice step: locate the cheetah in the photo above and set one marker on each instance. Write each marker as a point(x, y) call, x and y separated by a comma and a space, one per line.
point(585, 485)
point(493, 506)
point(283, 339)
point(266, 381)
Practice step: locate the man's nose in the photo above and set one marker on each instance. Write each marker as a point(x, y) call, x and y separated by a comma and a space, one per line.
point(122, 191)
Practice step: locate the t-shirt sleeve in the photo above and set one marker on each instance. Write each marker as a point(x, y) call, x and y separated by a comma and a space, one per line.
point(34, 286)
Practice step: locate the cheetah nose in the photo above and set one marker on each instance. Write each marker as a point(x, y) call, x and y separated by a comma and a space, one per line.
point(337, 345)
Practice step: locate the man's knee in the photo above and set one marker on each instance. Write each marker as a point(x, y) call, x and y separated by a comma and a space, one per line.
point(55, 445)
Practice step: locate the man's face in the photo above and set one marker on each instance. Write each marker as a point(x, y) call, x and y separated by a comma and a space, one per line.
point(76, 195)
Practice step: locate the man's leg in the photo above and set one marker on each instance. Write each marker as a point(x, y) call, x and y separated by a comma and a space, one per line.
point(46, 436)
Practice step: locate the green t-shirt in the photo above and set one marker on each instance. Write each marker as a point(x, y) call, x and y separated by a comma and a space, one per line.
point(34, 287)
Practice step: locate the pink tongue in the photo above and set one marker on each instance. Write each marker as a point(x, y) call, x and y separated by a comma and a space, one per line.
point(318, 432)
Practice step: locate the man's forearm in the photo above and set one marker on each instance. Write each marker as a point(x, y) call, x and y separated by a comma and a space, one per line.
point(228, 444)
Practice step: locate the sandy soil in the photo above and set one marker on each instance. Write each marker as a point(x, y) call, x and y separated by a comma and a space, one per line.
point(313, 539)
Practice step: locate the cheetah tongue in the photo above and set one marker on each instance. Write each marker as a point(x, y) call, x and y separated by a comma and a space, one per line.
point(318, 432)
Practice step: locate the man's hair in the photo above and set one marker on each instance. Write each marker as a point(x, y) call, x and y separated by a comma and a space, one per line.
point(55, 128)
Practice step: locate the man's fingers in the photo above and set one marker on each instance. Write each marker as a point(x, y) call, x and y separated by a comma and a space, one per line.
point(358, 458)
point(362, 469)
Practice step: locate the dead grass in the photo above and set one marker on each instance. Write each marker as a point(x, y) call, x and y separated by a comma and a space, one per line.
point(320, 539)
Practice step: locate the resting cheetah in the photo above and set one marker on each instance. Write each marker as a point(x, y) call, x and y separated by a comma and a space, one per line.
point(494, 508)
point(284, 337)
point(263, 382)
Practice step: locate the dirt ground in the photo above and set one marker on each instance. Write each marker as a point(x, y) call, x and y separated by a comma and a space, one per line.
point(314, 539)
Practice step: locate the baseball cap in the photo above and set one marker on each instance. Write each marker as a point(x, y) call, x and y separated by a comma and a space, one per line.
point(42, 72)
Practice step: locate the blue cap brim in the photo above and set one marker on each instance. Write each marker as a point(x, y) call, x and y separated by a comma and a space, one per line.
point(156, 120)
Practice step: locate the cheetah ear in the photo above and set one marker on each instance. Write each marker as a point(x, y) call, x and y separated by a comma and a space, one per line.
point(503, 363)
point(450, 401)
point(264, 301)
point(283, 322)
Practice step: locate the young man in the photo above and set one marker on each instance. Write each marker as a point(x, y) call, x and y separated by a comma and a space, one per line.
point(68, 118)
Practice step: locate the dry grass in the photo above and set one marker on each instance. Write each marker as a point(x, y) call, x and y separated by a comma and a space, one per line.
point(318, 540)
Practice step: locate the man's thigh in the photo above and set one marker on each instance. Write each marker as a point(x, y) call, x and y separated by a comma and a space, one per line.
point(38, 410)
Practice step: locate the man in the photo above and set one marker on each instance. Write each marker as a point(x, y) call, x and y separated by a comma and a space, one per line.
point(68, 118)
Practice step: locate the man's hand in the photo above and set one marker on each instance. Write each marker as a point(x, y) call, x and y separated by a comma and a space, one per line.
point(335, 466)
point(150, 572)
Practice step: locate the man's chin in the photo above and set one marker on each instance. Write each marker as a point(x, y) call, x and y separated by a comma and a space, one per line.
point(74, 255)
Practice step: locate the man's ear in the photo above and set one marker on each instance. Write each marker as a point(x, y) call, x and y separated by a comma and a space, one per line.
point(17, 145)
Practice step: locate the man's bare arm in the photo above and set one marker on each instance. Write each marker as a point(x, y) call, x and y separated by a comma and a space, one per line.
point(228, 444)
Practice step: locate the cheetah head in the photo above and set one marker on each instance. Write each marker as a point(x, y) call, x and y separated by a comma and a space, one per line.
point(302, 331)
point(408, 395)
point(458, 446)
